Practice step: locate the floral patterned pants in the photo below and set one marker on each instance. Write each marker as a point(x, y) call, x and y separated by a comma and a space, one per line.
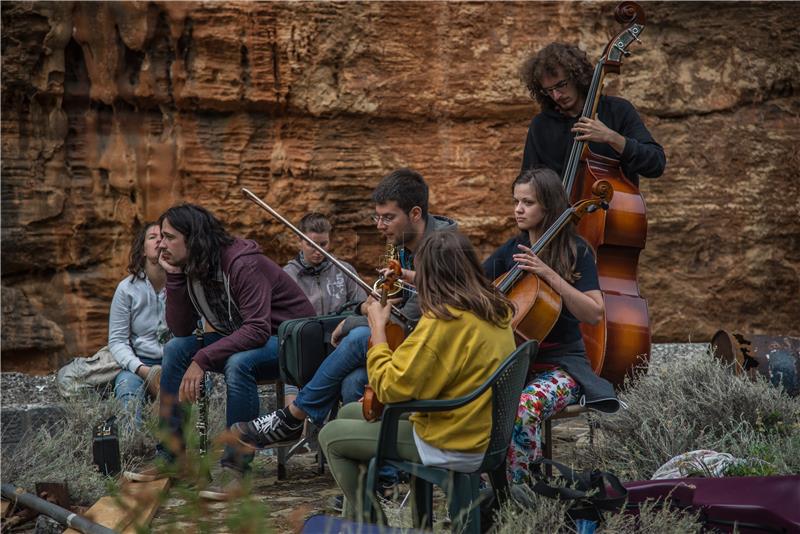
point(547, 393)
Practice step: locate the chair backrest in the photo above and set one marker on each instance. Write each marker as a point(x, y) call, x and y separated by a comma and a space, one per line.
point(506, 391)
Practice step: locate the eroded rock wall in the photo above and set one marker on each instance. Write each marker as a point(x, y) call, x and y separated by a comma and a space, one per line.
point(112, 112)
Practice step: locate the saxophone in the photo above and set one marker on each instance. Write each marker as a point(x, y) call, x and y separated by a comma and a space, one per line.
point(390, 254)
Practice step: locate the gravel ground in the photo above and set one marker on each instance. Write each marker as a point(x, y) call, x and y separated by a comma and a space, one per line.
point(21, 389)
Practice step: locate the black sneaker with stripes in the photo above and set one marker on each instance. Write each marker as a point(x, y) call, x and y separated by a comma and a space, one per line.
point(270, 430)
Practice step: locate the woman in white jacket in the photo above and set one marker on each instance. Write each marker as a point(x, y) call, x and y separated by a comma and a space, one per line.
point(137, 329)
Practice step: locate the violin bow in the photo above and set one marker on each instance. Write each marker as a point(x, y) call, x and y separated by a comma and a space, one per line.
point(347, 272)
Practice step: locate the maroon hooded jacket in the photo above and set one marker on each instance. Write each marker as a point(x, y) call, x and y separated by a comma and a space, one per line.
point(251, 296)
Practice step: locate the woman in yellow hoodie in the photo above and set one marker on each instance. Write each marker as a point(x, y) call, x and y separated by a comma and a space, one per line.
point(463, 336)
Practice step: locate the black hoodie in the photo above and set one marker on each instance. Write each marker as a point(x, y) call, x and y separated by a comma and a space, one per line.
point(549, 140)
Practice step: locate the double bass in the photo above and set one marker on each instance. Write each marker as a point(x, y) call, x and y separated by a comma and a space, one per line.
point(621, 340)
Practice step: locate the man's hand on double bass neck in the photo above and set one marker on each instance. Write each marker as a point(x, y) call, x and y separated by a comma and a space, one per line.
point(593, 130)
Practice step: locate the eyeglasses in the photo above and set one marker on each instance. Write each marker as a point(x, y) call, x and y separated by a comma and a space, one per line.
point(387, 219)
point(548, 91)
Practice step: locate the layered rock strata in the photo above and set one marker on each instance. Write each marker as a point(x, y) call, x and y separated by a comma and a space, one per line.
point(112, 112)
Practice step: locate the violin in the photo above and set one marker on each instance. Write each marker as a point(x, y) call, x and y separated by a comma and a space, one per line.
point(621, 340)
point(371, 407)
point(395, 334)
point(536, 304)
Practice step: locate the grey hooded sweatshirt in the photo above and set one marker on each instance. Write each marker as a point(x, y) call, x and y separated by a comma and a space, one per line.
point(325, 285)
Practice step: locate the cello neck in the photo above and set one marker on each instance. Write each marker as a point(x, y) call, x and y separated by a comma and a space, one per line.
point(589, 110)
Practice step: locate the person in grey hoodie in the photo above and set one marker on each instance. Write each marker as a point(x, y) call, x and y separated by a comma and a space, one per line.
point(242, 297)
point(137, 327)
point(401, 215)
point(328, 289)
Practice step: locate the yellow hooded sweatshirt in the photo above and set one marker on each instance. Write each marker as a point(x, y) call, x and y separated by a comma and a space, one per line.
point(444, 360)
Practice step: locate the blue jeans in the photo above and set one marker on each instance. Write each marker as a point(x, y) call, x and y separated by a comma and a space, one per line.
point(353, 385)
point(129, 388)
point(318, 397)
point(343, 370)
point(242, 370)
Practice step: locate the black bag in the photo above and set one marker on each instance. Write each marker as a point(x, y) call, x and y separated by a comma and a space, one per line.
point(588, 490)
point(303, 345)
point(105, 447)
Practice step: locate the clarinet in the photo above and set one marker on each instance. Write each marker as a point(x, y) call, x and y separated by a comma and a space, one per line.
point(201, 425)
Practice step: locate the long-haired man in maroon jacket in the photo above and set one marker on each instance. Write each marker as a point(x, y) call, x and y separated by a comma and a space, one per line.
point(242, 297)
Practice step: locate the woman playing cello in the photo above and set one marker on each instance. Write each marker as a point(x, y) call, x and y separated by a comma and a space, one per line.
point(561, 374)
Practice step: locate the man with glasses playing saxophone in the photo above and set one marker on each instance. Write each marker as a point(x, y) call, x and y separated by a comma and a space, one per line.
point(401, 215)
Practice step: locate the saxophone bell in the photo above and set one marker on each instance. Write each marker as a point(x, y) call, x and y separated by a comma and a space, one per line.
point(396, 288)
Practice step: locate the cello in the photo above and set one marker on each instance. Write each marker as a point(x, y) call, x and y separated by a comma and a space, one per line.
point(622, 339)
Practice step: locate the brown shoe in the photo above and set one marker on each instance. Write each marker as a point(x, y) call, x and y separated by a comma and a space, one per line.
point(147, 473)
point(229, 485)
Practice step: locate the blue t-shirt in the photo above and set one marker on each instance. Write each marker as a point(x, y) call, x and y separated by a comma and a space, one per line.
point(566, 328)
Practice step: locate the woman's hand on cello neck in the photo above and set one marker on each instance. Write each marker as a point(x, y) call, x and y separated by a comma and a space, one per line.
point(378, 316)
point(530, 262)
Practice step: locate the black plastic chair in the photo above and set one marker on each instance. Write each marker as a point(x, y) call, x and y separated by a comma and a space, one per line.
point(507, 383)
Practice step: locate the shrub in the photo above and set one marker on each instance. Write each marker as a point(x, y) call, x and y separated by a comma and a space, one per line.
point(63, 452)
point(694, 404)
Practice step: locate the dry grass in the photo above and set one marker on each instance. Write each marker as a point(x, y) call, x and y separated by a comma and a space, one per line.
point(550, 516)
point(63, 451)
point(694, 404)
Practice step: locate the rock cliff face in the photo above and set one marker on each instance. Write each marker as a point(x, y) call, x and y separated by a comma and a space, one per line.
point(112, 112)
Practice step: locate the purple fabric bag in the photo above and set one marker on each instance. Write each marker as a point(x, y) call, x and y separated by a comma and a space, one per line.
point(753, 504)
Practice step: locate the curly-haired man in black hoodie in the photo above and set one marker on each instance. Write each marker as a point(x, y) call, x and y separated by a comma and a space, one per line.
point(558, 78)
